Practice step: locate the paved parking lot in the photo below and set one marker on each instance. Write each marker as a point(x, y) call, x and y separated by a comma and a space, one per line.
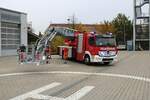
point(128, 79)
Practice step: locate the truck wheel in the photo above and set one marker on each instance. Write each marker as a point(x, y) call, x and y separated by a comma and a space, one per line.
point(87, 60)
point(62, 54)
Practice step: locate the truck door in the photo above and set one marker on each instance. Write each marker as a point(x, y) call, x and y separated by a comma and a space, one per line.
point(80, 47)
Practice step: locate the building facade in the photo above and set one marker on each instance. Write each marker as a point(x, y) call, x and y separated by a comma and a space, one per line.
point(141, 38)
point(13, 31)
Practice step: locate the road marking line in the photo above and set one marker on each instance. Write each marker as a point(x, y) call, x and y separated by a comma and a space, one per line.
point(81, 73)
point(34, 92)
point(40, 96)
point(79, 94)
point(43, 97)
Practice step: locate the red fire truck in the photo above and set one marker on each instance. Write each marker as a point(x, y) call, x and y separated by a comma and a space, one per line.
point(86, 47)
point(90, 48)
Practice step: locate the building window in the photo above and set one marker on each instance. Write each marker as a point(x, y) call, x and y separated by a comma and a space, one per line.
point(10, 34)
point(10, 17)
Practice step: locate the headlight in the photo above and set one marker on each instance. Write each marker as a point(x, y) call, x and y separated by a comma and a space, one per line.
point(102, 53)
point(112, 53)
point(107, 53)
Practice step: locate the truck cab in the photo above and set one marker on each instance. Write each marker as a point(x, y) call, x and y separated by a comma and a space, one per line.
point(100, 49)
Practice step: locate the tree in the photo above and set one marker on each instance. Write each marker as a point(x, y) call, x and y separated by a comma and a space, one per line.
point(123, 28)
point(105, 27)
point(80, 27)
point(57, 41)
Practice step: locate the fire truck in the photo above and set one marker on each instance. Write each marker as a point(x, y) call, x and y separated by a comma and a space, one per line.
point(86, 47)
point(89, 47)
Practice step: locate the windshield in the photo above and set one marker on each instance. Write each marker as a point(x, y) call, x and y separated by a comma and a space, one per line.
point(105, 41)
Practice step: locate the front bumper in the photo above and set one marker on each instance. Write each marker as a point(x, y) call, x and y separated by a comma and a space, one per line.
point(98, 59)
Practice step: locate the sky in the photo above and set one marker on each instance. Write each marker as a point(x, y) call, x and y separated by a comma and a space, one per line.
point(43, 12)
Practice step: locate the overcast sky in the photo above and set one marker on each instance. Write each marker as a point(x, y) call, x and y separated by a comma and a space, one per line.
point(44, 12)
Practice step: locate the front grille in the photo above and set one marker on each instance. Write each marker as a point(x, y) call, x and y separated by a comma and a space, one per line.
point(107, 59)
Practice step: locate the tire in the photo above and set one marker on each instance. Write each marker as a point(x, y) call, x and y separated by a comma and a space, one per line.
point(62, 54)
point(87, 60)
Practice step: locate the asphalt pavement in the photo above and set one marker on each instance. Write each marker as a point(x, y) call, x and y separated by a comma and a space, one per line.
point(127, 79)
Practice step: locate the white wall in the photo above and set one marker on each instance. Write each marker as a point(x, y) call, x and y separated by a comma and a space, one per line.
point(24, 29)
point(8, 52)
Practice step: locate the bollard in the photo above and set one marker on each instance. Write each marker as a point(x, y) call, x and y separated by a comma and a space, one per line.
point(65, 55)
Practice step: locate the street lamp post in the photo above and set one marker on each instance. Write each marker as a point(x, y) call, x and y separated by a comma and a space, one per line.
point(124, 33)
point(68, 22)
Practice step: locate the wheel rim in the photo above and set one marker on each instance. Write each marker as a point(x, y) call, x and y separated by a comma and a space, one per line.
point(86, 60)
